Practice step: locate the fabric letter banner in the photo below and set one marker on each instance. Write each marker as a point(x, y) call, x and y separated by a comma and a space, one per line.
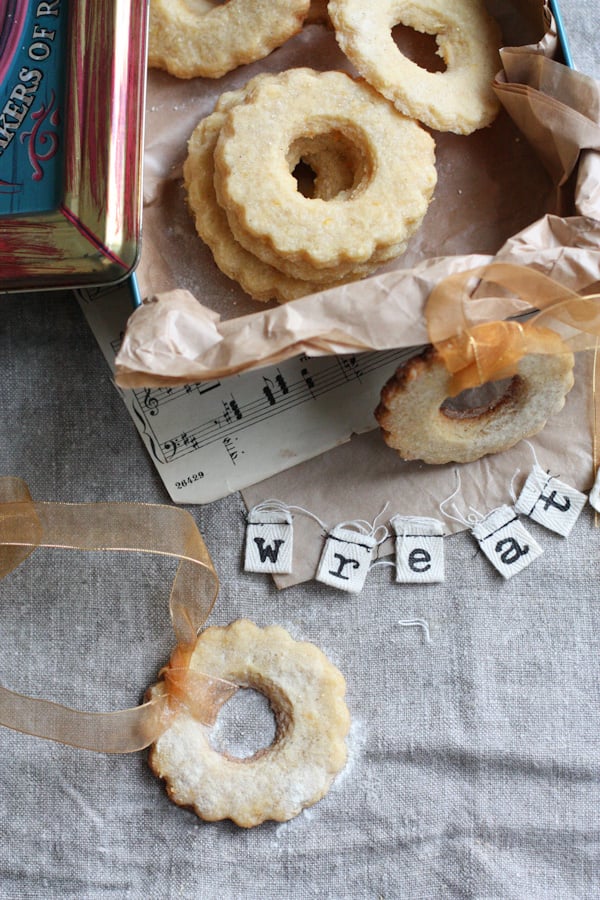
point(269, 540)
point(594, 496)
point(419, 549)
point(346, 559)
point(505, 542)
point(551, 502)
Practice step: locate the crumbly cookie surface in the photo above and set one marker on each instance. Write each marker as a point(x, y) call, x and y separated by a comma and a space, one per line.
point(306, 692)
point(393, 185)
point(214, 38)
point(459, 99)
point(259, 279)
point(413, 422)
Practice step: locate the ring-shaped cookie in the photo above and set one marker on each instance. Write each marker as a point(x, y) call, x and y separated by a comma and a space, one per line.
point(212, 39)
point(459, 99)
point(416, 423)
point(260, 280)
point(393, 184)
point(306, 692)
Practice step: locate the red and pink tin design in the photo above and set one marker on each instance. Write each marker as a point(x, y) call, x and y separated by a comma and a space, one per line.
point(72, 90)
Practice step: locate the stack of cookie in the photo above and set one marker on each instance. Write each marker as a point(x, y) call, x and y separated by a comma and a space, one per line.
point(372, 175)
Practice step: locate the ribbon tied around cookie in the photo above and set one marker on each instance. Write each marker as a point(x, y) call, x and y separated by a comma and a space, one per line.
point(122, 527)
point(476, 349)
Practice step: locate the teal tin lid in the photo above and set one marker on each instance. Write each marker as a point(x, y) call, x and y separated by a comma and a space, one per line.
point(72, 93)
point(562, 34)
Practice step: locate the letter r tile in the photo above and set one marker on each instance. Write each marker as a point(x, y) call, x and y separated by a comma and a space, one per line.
point(346, 559)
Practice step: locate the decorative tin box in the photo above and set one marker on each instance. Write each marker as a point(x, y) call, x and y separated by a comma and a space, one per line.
point(72, 93)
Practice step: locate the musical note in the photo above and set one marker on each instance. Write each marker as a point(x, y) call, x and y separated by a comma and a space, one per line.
point(350, 367)
point(189, 441)
point(281, 383)
point(210, 438)
point(269, 393)
point(232, 451)
point(308, 380)
point(235, 408)
point(272, 396)
point(153, 399)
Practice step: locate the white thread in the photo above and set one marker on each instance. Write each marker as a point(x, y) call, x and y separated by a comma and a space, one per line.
point(384, 536)
point(513, 493)
point(475, 516)
point(369, 529)
point(536, 461)
point(458, 518)
point(419, 623)
point(451, 497)
point(383, 509)
point(279, 506)
point(310, 515)
point(272, 503)
point(533, 453)
point(361, 525)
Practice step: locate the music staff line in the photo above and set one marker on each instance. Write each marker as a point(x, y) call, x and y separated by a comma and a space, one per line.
point(276, 396)
point(151, 399)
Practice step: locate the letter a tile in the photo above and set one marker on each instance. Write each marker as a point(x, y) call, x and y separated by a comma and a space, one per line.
point(505, 542)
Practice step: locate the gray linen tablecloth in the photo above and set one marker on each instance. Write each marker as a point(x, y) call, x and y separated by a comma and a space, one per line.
point(474, 767)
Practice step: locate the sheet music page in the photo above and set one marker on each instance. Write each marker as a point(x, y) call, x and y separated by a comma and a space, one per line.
point(212, 438)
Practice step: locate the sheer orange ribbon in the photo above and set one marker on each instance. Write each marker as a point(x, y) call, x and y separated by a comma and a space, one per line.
point(122, 527)
point(477, 347)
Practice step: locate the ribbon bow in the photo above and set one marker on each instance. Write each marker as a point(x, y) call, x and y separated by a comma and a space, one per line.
point(476, 350)
point(124, 527)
